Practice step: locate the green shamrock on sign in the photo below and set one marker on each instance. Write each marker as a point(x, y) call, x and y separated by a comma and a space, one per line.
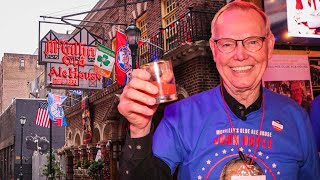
point(101, 60)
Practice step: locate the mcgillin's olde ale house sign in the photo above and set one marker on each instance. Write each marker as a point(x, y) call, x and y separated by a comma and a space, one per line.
point(69, 60)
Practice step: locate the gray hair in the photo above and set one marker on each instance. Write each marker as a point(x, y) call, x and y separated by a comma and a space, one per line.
point(242, 5)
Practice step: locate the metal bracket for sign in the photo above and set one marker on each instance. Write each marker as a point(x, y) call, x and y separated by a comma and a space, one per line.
point(77, 26)
point(64, 18)
point(49, 22)
point(93, 35)
point(66, 21)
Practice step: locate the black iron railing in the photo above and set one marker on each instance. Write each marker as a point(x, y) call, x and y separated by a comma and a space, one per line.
point(154, 48)
point(192, 26)
point(201, 25)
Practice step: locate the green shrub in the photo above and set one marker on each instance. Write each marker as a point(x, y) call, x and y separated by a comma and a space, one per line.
point(95, 169)
point(86, 164)
point(56, 170)
point(78, 163)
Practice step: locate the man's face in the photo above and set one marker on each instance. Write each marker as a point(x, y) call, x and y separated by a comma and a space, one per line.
point(296, 92)
point(241, 69)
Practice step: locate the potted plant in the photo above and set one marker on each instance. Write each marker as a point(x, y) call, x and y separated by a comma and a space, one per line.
point(95, 170)
point(86, 164)
point(56, 169)
point(79, 164)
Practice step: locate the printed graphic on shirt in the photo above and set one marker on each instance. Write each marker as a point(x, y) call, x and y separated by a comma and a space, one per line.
point(244, 166)
point(247, 140)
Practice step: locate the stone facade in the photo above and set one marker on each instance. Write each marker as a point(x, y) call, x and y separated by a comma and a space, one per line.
point(17, 70)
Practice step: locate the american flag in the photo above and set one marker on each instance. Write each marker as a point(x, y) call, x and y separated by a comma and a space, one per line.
point(42, 115)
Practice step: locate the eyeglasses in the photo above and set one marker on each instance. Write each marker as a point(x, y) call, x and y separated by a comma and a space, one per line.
point(252, 44)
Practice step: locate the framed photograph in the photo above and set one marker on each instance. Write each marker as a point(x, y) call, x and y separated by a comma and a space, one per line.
point(315, 72)
point(286, 88)
point(315, 75)
point(298, 90)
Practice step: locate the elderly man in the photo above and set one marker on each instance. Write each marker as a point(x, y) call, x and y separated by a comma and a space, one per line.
point(238, 119)
point(298, 95)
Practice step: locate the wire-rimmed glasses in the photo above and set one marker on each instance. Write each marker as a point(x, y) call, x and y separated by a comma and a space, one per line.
point(252, 44)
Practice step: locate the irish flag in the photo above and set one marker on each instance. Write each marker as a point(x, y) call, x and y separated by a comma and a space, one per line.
point(104, 61)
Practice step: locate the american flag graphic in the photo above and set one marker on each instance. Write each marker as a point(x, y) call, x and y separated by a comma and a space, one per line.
point(42, 115)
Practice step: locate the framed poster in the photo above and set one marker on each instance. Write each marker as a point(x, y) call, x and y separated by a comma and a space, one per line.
point(289, 75)
point(315, 75)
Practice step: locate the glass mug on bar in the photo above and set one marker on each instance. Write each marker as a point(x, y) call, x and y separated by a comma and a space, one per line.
point(162, 76)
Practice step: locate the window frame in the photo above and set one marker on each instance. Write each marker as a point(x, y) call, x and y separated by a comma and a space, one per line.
point(143, 49)
point(168, 17)
point(22, 62)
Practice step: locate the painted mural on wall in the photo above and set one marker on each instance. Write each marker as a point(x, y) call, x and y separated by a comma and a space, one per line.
point(37, 143)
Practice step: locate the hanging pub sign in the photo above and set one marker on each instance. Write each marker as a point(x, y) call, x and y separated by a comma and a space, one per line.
point(56, 47)
point(81, 77)
point(69, 60)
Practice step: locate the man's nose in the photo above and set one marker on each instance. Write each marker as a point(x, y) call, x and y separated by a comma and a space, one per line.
point(240, 52)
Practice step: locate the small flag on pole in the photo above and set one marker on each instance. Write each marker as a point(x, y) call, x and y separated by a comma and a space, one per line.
point(42, 118)
point(104, 61)
point(55, 109)
point(123, 59)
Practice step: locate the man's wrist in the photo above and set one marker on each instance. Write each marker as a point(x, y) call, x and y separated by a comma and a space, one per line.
point(138, 132)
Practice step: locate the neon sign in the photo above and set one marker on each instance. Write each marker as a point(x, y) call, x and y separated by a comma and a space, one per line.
point(75, 49)
point(73, 76)
point(69, 61)
point(73, 73)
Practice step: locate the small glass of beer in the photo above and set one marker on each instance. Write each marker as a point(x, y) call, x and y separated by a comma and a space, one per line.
point(162, 76)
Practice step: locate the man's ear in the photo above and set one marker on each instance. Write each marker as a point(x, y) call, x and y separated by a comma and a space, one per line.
point(213, 47)
point(271, 41)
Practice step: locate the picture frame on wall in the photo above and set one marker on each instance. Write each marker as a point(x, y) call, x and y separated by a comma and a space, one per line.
point(315, 74)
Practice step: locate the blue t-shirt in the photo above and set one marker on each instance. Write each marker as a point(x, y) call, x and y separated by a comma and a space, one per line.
point(195, 135)
point(315, 119)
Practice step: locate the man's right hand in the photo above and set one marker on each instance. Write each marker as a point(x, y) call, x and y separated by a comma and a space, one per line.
point(137, 103)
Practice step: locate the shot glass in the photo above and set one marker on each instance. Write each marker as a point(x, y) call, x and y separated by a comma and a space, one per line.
point(162, 76)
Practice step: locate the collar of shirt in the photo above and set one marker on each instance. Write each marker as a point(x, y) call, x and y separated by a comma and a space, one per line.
point(239, 109)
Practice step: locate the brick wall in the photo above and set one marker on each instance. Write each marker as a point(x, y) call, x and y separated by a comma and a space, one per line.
point(153, 12)
point(7, 124)
point(102, 105)
point(197, 75)
point(15, 78)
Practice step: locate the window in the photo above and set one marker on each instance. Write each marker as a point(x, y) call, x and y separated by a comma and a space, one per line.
point(37, 66)
point(144, 49)
point(168, 20)
point(170, 5)
point(22, 62)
